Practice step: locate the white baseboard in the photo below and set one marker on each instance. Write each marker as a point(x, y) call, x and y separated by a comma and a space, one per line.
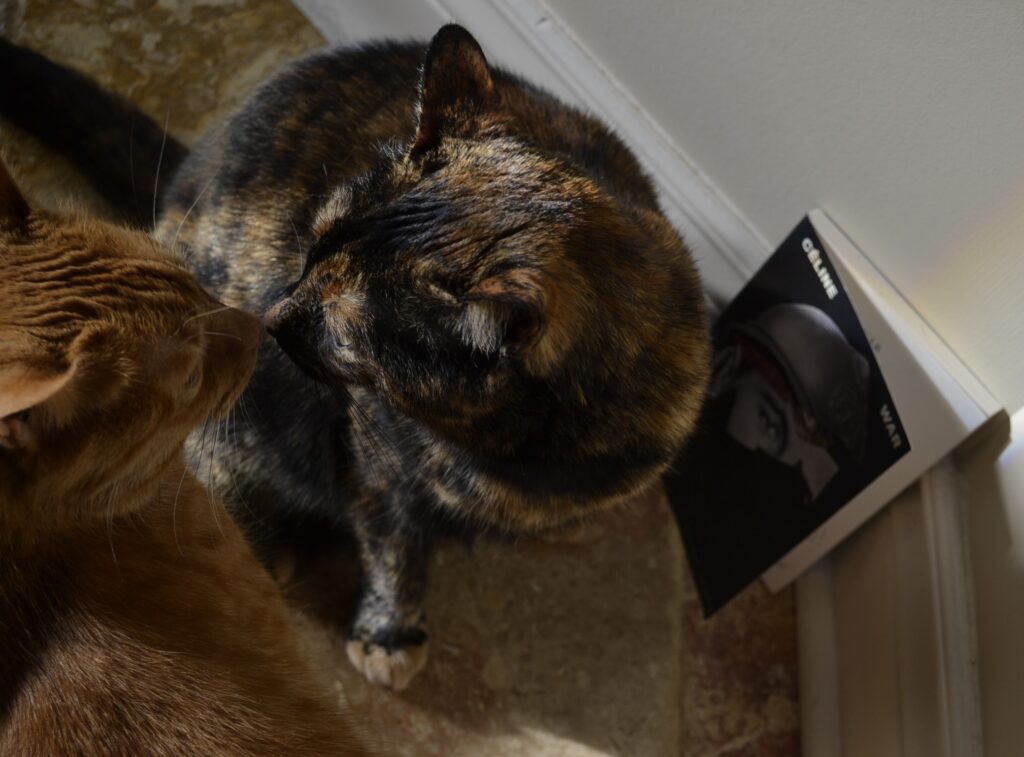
point(820, 710)
point(945, 501)
point(887, 634)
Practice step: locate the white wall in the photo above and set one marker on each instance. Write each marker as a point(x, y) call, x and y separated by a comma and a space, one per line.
point(904, 120)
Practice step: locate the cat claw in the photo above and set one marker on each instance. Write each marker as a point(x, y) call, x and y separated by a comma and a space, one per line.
point(392, 668)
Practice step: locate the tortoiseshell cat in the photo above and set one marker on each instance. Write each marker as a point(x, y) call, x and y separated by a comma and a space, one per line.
point(497, 328)
point(134, 618)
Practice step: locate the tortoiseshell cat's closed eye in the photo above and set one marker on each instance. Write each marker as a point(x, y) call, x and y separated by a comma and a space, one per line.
point(485, 321)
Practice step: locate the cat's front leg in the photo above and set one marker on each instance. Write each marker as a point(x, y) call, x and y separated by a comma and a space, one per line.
point(388, 638)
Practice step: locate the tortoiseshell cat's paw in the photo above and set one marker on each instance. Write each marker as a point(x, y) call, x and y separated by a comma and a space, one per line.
point(393, 665)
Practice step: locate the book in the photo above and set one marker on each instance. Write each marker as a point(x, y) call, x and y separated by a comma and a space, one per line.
point(829, 396)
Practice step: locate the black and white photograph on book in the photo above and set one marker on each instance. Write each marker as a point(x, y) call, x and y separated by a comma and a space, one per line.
point(799, 420)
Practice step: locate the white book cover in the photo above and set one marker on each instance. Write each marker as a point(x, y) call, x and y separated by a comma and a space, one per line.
point(830, 395)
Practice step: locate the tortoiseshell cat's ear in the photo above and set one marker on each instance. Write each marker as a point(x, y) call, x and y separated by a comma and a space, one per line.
point(457, 88)
point(22, 389)
point(502, 315)
point(13, 208)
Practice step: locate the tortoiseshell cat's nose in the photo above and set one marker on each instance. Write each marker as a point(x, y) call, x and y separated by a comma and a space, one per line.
point(277, 318)
point(272, 319)
point(294, 330)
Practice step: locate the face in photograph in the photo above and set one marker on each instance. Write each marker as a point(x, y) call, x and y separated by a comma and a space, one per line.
point(798, 392)
point(762, 420)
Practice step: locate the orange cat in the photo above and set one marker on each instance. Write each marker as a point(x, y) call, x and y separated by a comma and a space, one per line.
point(133, 618)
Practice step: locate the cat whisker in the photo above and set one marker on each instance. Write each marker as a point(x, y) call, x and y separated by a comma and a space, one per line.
point(243, 404)
point(177, 494)
point(110, 520)
point(131, 164)
point(201, 315)
point(214, 510)
point(227, 336)
point(159, 160)
point(229, 432)
point(188, 212)
point(383, 446)
point(174, 510)
point(199, 459)
point(298, 244)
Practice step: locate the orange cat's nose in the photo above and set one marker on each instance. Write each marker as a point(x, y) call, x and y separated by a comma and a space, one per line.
point(251, 329)
point(245, 326)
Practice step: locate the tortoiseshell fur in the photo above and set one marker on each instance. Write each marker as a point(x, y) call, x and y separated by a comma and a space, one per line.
point(490, 324)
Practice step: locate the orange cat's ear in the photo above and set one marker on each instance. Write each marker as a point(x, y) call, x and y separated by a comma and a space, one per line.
point(22, 389)
point(13, 208)
point(456, 89)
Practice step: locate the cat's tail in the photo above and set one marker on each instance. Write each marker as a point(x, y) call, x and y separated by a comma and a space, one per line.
point(120, 149)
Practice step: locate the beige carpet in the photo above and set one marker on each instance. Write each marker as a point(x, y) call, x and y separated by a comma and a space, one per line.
point(585, 646)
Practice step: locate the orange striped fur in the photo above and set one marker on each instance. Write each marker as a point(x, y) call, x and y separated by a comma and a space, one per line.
point(133, 617)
